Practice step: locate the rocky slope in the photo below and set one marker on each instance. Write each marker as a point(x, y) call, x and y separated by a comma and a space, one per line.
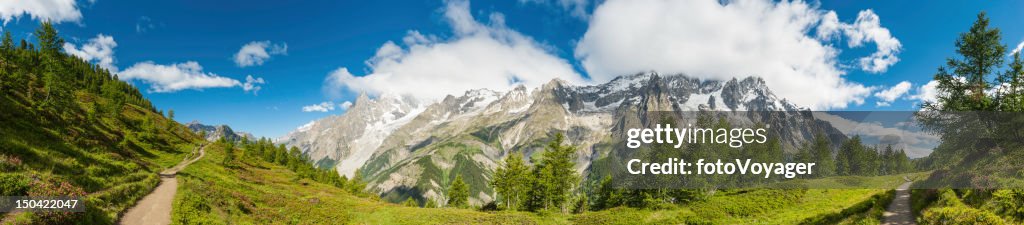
point(408, 149)
point(347, 141)
point(214, 133)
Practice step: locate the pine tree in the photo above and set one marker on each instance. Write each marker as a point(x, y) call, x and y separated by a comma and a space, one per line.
point(1013, 99)
point(856, 159)
point(903, 162)
point(430, 203)
point(229, 151)
point(56, 91)
point(822, 151)
point(887, 162)
point(607, 195)
point(981, 53)
point(511, 181)
point(282, 155)
point(581, 205)
point(8, 43)
point(356, 185)
point(555, 176)
point(458, 193)
point(804, 153)
point(868, 161)
point(49, 42)
point(845, 157)
point(116, 99)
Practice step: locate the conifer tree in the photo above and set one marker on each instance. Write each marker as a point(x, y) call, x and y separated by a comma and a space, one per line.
point(607, 195)
point(8, 43)
point(430, 203)
point(845, 156)
point(822, 152)
point(511, 181)
point(554, 177)
point(356, 185)
point(963, 80)
point(229, 151)
point(458, 193)
point(49, 42)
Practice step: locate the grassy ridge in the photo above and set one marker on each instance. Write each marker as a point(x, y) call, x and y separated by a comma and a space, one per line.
point(70, 128)
point(110, 160)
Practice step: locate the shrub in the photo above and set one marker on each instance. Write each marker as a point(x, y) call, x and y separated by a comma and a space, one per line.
point(9, 163)
point(958, 215)
point(56, 188)
point(877, 203)
point(947, 198)
point(13, 184)
point(410, 202)
point(1007, 203)
point(191, 209)
point(921, 198)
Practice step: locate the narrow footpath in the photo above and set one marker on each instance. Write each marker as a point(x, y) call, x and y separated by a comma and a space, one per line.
point(898, 212)
point(155, 208)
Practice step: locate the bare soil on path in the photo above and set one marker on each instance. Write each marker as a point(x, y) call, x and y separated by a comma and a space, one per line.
point(898, 212)
point(156, 207)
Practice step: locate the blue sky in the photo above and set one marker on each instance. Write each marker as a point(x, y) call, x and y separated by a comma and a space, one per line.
point(322, 37)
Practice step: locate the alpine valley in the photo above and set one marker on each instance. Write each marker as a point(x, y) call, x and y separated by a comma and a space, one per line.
point(410, 148)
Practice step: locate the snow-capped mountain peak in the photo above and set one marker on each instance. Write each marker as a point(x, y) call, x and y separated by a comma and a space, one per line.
point(398, 141)
point(348, 140)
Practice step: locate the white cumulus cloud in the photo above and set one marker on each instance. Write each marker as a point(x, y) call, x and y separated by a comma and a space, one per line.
point(253, 84)
point(50, 10)
point(256, 52)
point(322, 107)
point(887, 96)
point(181, 76)
point(927, 93)
point(866, 29)
point(479, 55)
point(915, 142)
point(99, 50)
point(345, 105)
point(725, 39)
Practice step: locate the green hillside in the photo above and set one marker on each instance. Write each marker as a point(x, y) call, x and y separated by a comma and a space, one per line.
point(70, 128)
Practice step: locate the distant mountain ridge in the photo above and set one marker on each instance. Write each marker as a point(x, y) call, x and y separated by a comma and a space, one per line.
point(213, 133)
point(406, 148)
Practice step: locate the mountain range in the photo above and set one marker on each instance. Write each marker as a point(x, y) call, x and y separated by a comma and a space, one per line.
point(406, 147)
point(213, 133)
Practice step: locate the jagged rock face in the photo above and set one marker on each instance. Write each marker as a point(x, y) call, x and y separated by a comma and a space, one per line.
point(214, 133)
point(631, 98)
point(347, 141)
point(424, 147)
